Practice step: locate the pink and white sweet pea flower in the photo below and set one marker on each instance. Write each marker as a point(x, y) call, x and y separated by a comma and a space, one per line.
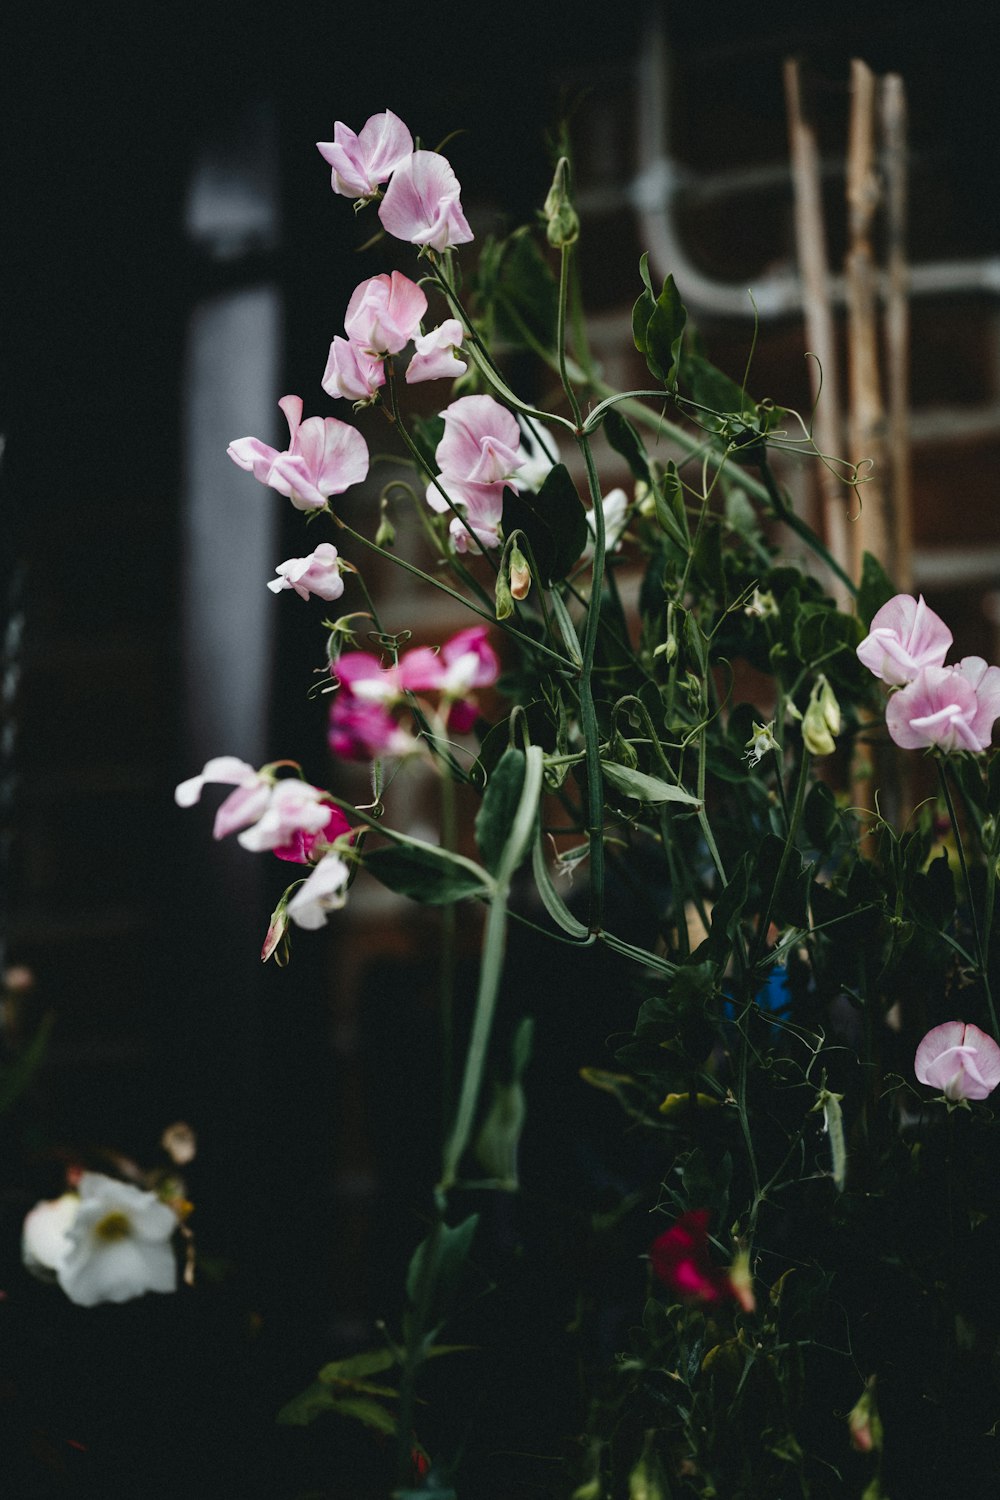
point(905, 635)
point(324, 891)
point(294, 807)
point(352, 373)
point(481, 507)
point(465, 661)
point(362, 162)
point(437, 354)
point(318, 574)
point(304, 847)
point(384, 314)
point(421, 203)
point(953, 708)
point(243, 806)
point(481, 442)
point(324, 457)
point(960, 1060)
point(362, 730)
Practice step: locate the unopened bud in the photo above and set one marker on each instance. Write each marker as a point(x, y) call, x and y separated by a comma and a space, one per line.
point(386, 534)
point(520, 574)
point(504, 597)
point(562, 223)
point(864, 1422)
point(822, 719)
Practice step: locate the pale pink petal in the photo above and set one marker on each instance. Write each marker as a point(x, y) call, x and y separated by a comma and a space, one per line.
point(960, 1060)
point(936, 708)
point(361, 162)
point(481, 442)
point(384, 313)
point(905, 635)
point(318, 574)
point(352, 373)
point(436, 356)
point(292, 408)
point(421, 203)
point(224, 769)
point(986, 682)
point(253, 455)
point(241, 808)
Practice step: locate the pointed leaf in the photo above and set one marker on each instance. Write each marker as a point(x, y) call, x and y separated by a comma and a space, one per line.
point(645, 788)
point(425, 874)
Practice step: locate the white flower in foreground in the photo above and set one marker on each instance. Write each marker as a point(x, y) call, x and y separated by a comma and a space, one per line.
point(615, 506)
point(324, 891)
point(45, 1241)
point(318, 574)
point(119, 1244)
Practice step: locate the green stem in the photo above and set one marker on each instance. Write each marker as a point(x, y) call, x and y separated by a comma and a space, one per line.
point(981, 963)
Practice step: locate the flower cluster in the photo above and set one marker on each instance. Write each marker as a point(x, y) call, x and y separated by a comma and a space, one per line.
point(953, 708)
point(289, 817)
point(362, 726)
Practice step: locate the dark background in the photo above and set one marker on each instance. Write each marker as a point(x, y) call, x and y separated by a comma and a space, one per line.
point(140, 936)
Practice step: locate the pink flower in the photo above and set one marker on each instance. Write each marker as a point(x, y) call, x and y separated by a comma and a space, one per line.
point(361, 730)
point(421, 203)
point(680, 1259)
point(384, 314)
point(481, 507)
point(480, 443)
point(318, 574)
point(242, 807)
point(323, 892)
point(294, 807)
point(352, 373)
point(364, 677)
point(466, 661)
point(952, 707)
point(437, 354)
point(305, 848)
point(324, 457)
point(960, 1060)
point(361, 162)
point(905, 635)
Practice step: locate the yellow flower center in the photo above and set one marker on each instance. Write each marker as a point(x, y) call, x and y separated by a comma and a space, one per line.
point(114, 1226)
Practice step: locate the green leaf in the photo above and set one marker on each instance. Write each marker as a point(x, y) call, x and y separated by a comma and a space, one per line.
point(727, 911)
point(668, 500)
point(645, 788)
point(625, 440)
point(876, 588)
point(710, 387)
point(369, 1412)
point(426, 874)
point(306, 1407)
point(496, 815)
point(554, 521)
point(528, 285)
point(358, 1366)
point(664, 332)
point(17, 1075)
point(448, 1247)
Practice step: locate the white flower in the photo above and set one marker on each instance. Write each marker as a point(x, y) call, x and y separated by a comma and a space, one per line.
point(324, 891)
point(760, 742)
point(319, 573)
point(45, 1241)
point(538, 456)
point(615, 507)
point(119, 1244)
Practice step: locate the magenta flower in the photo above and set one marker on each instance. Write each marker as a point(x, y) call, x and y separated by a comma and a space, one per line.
point(324, 457)
point(466, 661)
point(293, 808)
point(681, 1261)
point(363, 730)
point(352, 373)
point(960, 1060)
point(384, 314)
point(437, 354)
point(363, 676)
point(305, 847)
point(905, 635)
point(318, 574)
point(421, 203)
point(361, 162)
point(243, 806)
point(953, 708)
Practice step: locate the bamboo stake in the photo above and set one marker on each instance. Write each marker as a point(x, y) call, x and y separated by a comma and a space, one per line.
point(892, 119)
point(873, 531)
point(820, 329)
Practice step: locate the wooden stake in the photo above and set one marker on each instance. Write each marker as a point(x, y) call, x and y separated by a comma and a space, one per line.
point(820, 330)
point(892, 118)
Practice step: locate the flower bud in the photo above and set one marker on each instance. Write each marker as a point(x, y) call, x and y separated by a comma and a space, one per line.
point(822, 719)
point(562, 223)
point(504, 597)
point(520, 573)
point(386, 534)
point(864, 1422)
